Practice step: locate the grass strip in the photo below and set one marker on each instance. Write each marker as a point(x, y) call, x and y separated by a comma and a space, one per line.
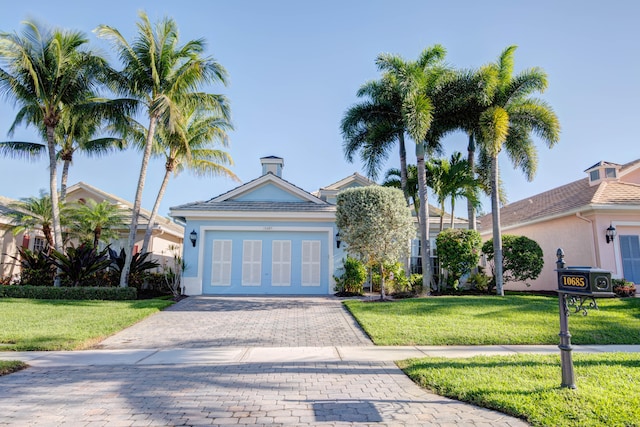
point(490, 320)
point(528, 386)
point(11, 366)
point(30, 324)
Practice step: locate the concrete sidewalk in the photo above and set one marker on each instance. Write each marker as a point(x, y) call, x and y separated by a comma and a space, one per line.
point(239, 355)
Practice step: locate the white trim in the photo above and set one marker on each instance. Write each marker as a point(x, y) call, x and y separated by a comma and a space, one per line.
point(264, 179)
point(253, 215)
point(191, 282)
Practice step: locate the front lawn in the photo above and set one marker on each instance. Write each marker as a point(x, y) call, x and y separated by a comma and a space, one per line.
point(528, 386)
point(490, 320)
point(29, 324)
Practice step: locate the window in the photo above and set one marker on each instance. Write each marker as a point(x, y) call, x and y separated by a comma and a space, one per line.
point(310, 263)
point(594, 175)
point(251, 262)
point(39, 244)
point(610, 172)
point(221, 263)
point(281, 263)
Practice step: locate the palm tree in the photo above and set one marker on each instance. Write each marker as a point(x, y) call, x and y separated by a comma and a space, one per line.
point(373, 127)
point(91, 221)
point(416, 81)
point(507, 122)
point(461, 182)
point(164, 77)
point(436, 171)
point(46, 73)
point(32, 213)
point(192, 148)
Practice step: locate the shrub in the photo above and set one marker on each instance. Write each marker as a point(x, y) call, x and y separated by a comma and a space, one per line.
point(623, 288)
point(79, 264)
point(522, 257)
point(479, 281)
point(352, 278)
point(68, 293)
point(35, 268)
point(139, 265)
point(395, 279)
point(458, 251)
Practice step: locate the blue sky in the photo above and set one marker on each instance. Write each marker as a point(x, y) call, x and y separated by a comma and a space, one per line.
point(295, 67)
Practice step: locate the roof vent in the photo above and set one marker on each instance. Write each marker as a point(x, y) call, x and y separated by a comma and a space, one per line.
point(272, 164)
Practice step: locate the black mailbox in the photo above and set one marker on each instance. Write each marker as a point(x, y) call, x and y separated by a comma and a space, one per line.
point(588, 281)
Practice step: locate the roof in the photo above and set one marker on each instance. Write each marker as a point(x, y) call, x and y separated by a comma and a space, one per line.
point(356, 177)
point(144, 213)
point(570, 198)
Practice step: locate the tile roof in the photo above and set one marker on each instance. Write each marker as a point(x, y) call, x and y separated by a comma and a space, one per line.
point(567, 198)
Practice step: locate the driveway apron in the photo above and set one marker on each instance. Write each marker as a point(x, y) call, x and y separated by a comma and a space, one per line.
point(253, 392)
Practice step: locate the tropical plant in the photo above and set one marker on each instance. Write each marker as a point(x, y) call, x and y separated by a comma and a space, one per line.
point(33, 213)
point(138, 266)
point(393, 179)
point(376, 225)
point(194, 146)
point(508, 121)
point(416, 80)
point(523, 258)
point(35, 268)
point(352, 278)
point(165, 78)
point(47, 73)
point(458, 251)
point(92, 221)
point(80, 264)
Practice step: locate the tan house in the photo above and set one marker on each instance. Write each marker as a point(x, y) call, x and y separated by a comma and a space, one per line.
point(576, 218)
point(166, 233)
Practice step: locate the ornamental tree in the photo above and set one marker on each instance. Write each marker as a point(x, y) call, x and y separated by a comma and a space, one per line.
point(458, 250)
point(376, 225)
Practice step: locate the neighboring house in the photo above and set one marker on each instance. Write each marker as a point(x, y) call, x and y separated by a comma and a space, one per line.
point(267, 236)
point(165, 234)
point(575, 217)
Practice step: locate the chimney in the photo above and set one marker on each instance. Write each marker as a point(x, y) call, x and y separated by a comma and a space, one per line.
point(272, 164)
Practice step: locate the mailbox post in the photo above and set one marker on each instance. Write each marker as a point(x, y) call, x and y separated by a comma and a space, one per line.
point(577, 287)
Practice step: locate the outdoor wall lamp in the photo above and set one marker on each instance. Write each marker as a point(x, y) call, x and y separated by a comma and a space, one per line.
point(611, 233)
point(193, 236)
point(338, 241)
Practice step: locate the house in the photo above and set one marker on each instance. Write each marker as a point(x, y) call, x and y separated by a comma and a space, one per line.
point(577, 218)
point(267, 236)
point(166, 233)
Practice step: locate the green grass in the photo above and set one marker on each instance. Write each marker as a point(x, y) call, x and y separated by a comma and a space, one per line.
point(528, 386)
point(10, 366)
point(489, 320)
point(29, 324)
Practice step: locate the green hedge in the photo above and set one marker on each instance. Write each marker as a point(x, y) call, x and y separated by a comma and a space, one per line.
point(68, 293)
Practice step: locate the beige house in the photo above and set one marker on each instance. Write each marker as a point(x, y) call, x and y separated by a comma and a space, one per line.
point(166, 233)
point(575, 217)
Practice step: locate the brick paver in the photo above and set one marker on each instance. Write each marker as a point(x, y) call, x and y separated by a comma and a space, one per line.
point(199, 322)
point(343, 393)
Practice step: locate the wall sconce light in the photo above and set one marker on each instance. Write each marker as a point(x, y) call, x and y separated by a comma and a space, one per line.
point(193, 236)
point(611, 233)
point(338, 241)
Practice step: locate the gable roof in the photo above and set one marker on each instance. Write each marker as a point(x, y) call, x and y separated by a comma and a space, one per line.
point(229, 201)
point(570, 198)
point(356, 178)
point(143, 219)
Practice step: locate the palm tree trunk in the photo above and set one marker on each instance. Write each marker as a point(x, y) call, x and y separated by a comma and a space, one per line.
point(442, 215)
point(53, 188)
point(471, 159)
point(133, 228)
point(154, 212)
point(453, 206)
point(497, 231)
point(96, 236)
point(403, 166)
point(63, 180)
point(424, 223)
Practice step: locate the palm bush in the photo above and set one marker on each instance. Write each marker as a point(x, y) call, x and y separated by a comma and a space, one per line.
point(35, 268)
point(139, 266)
point(79, 265)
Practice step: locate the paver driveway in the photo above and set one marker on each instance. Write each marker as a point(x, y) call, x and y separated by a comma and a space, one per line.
point(198, 322)
point(317, 390)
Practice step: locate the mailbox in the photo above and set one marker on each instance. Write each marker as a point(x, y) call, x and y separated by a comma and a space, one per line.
point(588, 281)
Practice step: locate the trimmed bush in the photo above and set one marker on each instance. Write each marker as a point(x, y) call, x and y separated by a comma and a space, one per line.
point(68, 293)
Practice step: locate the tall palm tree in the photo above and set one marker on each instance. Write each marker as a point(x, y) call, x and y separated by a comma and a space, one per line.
point(32, 213)
point(374, 125)
point(164, 77)
point(193, 148)
point(46, 73)
point(91, 221)
point(507, 122)
point(416, 81)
